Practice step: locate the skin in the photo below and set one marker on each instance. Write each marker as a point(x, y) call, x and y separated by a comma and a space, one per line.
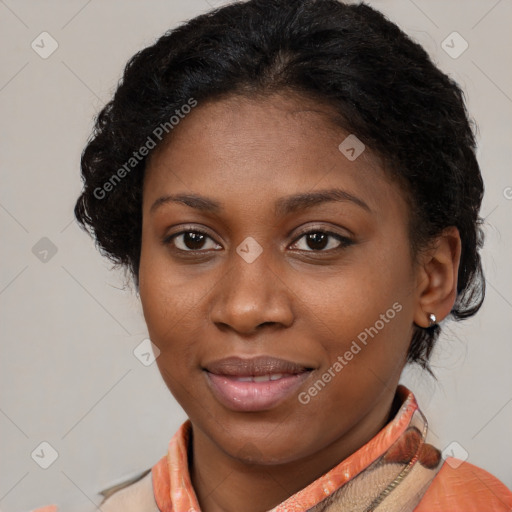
point(296, 301)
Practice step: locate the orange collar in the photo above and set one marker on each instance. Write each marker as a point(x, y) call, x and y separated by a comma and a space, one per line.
point(174, 491)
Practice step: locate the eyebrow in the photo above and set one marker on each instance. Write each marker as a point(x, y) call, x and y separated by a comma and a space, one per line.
point(291, 204)
point(283, 206)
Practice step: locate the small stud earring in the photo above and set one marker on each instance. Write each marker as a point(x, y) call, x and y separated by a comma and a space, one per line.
point(432, 319)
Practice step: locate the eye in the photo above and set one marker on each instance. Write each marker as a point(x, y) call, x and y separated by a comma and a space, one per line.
point(190, 241)
point(322, 241)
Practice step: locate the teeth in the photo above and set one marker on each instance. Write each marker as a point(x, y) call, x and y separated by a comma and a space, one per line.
point(261, 378)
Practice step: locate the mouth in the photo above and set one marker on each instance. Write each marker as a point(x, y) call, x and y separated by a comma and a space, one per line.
point(255, 384)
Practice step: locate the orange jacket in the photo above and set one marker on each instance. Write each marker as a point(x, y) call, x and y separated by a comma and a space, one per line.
point(396, 471)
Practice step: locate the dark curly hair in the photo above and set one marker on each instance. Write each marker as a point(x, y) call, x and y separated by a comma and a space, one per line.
point(379, 84)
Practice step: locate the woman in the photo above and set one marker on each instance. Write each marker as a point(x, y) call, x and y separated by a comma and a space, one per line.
point(294, 189)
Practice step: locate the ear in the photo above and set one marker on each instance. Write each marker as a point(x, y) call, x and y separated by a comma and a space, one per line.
point(436, 288)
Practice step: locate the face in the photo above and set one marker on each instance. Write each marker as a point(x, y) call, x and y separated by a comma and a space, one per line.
point(276, 277)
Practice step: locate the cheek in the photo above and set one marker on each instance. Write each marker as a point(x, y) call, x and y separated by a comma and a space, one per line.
point(168, 297)
point(369, 303)
point(170, 319)
point(163, 305)
point(356, 296)
point(173, 303)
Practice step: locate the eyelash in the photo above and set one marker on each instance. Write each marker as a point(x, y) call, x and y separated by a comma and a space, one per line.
point(344, 241)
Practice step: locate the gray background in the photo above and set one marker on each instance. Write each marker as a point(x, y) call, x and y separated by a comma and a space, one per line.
point(68, 373)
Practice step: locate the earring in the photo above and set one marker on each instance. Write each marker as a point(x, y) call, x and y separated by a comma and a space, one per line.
point(432, 319)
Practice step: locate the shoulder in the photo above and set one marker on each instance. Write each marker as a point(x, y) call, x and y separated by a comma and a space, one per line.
point(462, 487)
point(131, 496)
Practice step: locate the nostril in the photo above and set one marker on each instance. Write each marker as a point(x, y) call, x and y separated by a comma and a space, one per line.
point(267, 323)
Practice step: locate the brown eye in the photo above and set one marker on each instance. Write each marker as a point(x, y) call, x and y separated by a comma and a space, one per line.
point(192, 241)
point(321, 241)
point(317, 241)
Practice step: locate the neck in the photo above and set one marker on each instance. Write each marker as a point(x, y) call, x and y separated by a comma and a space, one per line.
point(226, 484)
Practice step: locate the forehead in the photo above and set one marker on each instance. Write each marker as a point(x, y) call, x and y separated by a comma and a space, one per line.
point(243, 150)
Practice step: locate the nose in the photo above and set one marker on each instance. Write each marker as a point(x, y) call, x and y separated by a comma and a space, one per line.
point(251, 296)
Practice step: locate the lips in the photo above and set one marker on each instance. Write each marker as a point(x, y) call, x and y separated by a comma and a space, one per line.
point(254, 367)
point(255, 384)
